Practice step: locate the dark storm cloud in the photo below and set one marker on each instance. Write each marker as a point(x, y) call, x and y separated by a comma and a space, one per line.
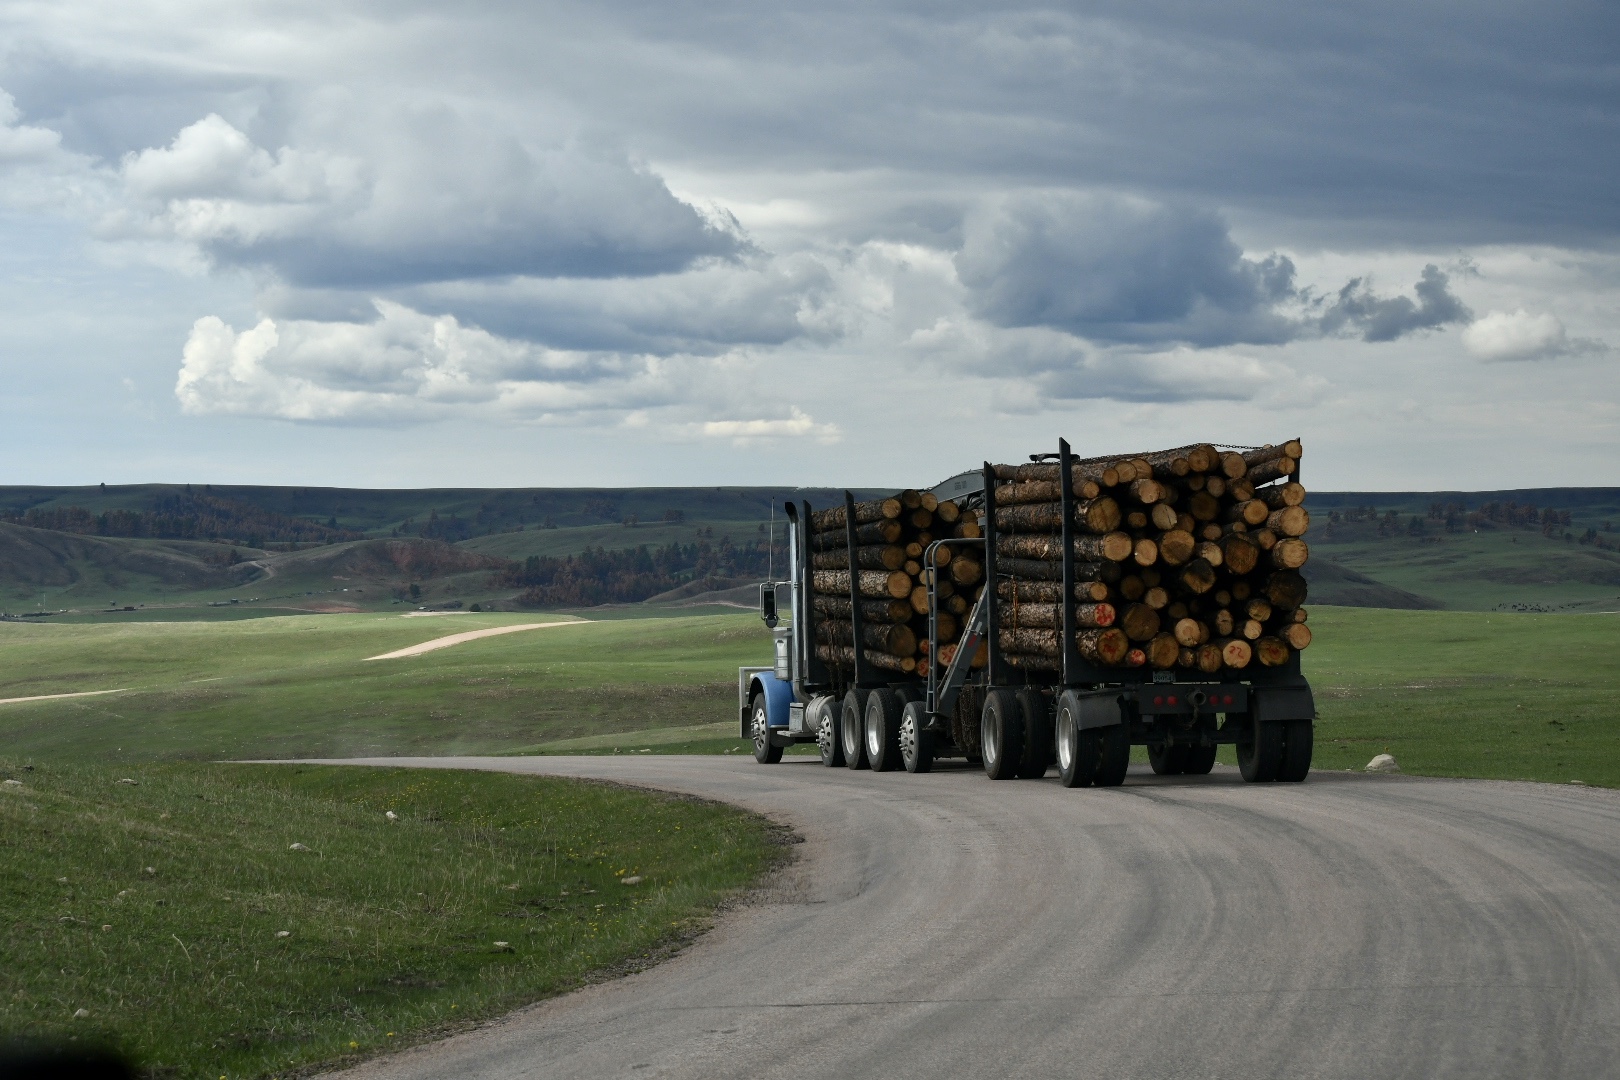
point(1356, 309)
point(1115, 269)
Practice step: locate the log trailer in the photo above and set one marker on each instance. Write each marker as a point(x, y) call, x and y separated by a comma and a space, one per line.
point(978, 702)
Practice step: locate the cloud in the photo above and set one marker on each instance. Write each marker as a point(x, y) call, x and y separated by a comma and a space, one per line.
point(22, 144)
point(403, 366)
point(428, 196)
point(798, 425)
point(1356, 310)
point(1519, 335)
point(1122, 269)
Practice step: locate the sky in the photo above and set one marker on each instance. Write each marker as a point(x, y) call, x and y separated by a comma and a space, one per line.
point(851, 244)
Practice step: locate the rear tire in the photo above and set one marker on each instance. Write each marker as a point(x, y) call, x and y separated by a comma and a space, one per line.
point(1113, 755)
point(1167, 760)
point(916, 741)
point(1076, 749)
point(1199, 760)
point(882, 730)
point(828, 738)
point(1260, 756)
point(852, 729)
point(1001, 734)
point(1298, 741)
point(1036, 710)
point(765, 752)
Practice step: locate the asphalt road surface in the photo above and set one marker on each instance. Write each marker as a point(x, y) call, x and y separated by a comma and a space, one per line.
point(947, 926)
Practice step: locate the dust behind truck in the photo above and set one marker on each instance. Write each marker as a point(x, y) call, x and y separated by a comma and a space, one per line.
point(1053, 612)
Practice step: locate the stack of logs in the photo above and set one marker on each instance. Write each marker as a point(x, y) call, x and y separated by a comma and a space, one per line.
point(891, 539)
point(1186, 558)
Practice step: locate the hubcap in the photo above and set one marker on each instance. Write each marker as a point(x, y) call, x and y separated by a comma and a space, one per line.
point(908, 739)
point(987, 741)
point(824, 736)
point(1065, 745)
point(874, 741)
point(760, 734)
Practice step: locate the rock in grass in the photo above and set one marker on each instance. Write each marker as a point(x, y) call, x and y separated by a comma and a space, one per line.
point(633, 879)
point(298, 847)
point(127, 780)
point(1383, 763)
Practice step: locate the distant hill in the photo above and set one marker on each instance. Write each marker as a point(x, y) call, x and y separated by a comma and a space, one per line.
point(1545, 548)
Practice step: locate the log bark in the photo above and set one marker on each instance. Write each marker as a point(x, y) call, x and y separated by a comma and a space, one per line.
point(877, 611)
point(1031, 661)
point(1163, 651)
point(1286, 589)
point(1113, 547)
point(1290, 554)
point(1272, 652)
point(1139, 622)
point(1268, 471)
point(1051, 615)
point(1030, 491)
point(896, 639)
point(1039, 642)
point(1033, 569)
point(876, 510)
point(1290, 449)
point(1289, 521)
point(1107, 647)
point(886, 557)
point(845, 655)
point(892, 584)
point(1049, 592)
point(1281, 495)
point(873, 532)
point(1031, 470)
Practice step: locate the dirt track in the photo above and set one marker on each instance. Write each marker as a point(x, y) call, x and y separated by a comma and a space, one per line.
point(470, 635)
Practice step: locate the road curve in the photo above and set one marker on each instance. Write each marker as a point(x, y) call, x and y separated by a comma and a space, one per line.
point(945, 926)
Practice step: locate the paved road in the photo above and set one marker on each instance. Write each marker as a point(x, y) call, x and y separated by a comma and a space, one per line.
point(947, 926)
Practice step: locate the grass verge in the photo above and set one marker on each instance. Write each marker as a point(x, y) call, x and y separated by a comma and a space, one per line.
point(175, 918)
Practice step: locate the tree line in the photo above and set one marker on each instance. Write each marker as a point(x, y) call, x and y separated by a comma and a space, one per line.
point(629, 575)
point(187, 516)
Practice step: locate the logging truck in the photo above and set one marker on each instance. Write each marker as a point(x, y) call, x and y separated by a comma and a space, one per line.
point(1054, 612)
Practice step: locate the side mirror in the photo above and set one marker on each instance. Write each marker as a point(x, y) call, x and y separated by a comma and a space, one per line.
point(767, 603)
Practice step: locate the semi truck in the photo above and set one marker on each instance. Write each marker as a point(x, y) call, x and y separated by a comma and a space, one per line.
point(1083, 717)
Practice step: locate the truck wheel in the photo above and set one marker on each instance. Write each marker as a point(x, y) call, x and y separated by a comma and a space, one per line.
point(1076, 749)
point(883, 730)
point(1260, 755)
point(765, 752)
point(1036, 710)
point(1001, 734)
point(916, 741)
point(1113, 755)
point(828, 739)
point(852, 729)
point(1298, 739)
point(1199, 760)
point(1167, 760)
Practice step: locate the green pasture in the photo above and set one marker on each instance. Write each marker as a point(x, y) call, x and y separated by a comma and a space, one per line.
point(165, 909)
point(1518, 696)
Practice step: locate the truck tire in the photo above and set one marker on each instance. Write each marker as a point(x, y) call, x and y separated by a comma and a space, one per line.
point(882, 730)
point(1036, 709)
point(828, 739)
point(1113, 754)
point(1076, 749)
point(1001, 734)
point(1260, 755)
point(1167, 760)
point(852, 729)
point(765, 751)
point(1199, 760)
point(916, 741)
point(1298, 740)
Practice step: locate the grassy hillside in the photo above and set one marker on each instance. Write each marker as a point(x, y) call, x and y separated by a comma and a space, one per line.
point(1449, 693)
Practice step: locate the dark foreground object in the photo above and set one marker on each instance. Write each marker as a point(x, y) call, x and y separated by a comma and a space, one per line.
point(40, 1061)
point(1178, 926)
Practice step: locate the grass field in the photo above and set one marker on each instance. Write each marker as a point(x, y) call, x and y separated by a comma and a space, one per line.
point(173, 917)
point(1524, 696)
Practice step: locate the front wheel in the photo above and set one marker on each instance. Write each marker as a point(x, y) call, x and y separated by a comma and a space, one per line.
point(916, 741)
point(765, 752)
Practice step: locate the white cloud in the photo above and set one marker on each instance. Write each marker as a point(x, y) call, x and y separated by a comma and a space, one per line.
point(403, 366)
point(21, 143)
point(1519, 335)
point(797, 425)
